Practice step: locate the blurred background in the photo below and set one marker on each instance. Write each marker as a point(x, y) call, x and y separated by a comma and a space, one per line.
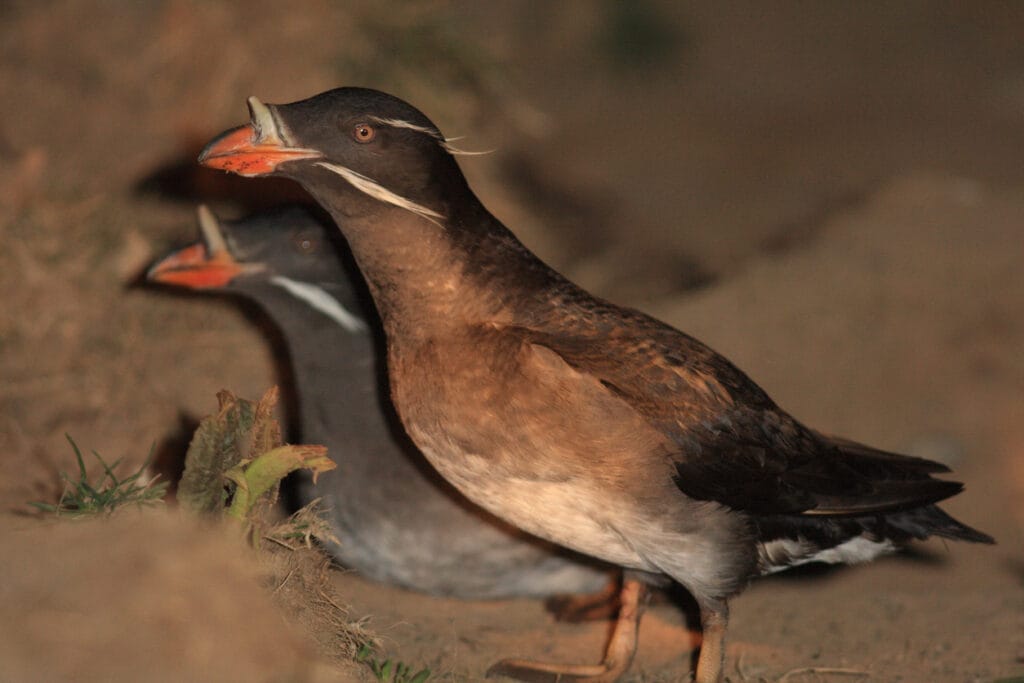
point(828, 192)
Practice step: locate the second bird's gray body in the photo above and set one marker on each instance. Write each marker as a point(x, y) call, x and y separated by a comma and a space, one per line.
point(396, 519)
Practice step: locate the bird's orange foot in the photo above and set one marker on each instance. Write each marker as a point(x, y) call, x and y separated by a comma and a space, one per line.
point(575, 609)
point(617, 658)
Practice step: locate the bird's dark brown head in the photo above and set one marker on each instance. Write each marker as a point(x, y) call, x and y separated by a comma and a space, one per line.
point(357, 147)
point(427, 247)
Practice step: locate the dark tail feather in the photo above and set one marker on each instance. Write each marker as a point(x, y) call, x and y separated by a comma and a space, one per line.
point(908, 463)
point(898, 486)
point(930, 520)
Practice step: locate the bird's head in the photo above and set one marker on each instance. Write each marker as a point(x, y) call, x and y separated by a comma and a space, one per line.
point(207, 264)
point(287, 242)
point(283, 255)
point(352, 148)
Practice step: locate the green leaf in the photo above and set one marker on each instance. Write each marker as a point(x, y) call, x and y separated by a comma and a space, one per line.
point(217, 446)
point(263, 474)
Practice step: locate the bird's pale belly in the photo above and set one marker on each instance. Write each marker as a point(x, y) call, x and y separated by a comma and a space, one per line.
point(568, 513)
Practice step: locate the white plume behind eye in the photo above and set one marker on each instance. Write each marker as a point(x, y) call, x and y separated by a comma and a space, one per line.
point(318, 298)
point(377, 191)
point(451, 149)
point(399, 123)
point(441, 140)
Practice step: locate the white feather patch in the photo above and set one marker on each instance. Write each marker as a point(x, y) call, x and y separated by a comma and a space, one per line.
point(451, 149)
point(319, 299)
point(446, 143)
point(377, 191)
point(399, 123)
point(784, 553)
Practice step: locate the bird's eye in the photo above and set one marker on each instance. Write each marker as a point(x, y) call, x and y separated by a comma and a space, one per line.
point(305, 244)
point(363, 132)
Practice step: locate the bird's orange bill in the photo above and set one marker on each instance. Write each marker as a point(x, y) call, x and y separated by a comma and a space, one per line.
point(240, 150)
point(194, 267)
point(206, 264)
point(255, 149)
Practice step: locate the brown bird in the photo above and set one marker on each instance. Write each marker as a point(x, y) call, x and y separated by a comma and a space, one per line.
point(592, 425)
point(395, 518)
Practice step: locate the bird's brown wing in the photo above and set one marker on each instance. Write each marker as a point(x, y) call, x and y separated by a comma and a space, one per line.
point(733, 444)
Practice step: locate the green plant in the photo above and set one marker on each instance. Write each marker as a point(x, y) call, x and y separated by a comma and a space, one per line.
point(82, 498)
point(236, 461)
point(390, 671)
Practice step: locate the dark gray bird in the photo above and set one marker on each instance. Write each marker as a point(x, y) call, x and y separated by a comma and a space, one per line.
point(592, 425)
point(397, 520)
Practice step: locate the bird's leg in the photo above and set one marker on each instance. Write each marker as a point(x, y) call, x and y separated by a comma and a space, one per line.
point(604, 604)
point(617, 657)
point(711, 661)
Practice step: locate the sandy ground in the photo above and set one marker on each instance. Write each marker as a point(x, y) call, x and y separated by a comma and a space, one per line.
point(842, 185)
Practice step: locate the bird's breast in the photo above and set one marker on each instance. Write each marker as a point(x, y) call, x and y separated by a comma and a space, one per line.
point(569, 513)
point(533, 447)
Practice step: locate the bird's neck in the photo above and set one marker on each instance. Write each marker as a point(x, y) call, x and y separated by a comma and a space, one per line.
point(322, 352)
point(425, 275)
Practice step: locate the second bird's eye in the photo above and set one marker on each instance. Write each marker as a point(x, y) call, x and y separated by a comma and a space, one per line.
point(304, 243)
point(363, 132)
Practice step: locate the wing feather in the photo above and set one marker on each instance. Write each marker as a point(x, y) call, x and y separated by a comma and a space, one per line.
point(734, 445)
